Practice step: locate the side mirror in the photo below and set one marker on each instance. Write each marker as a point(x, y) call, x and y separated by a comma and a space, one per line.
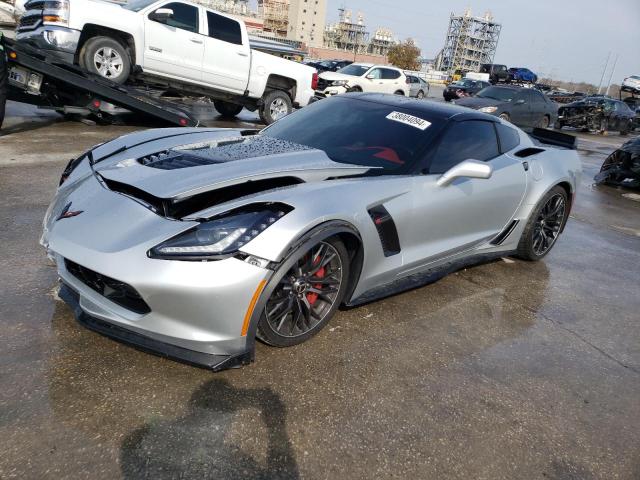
point(161, 15)
point(371, 76)
point(466, 169)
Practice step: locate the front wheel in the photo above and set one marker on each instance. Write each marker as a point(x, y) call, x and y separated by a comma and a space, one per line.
point(544, 225)
point(545, 122)
point(505, 116)
point(108, 58)
point(307, 296)
point(277, 104)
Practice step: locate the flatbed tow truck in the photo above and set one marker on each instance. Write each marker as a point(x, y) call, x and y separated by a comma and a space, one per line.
point(30, 76)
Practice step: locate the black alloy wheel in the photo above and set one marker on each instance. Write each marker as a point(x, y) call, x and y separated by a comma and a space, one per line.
point(307, 296)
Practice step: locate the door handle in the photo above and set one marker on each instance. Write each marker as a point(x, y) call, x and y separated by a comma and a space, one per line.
point(196, 40)
point(243, 54)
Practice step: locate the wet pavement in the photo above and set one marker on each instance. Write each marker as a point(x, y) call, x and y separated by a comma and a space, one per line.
point(505, 370)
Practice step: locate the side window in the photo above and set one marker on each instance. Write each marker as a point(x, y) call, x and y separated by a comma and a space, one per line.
point(509, 137)
point(472, 139)
point(376, 73)
point(224, 29)
point(388, 74)
point(185, 17)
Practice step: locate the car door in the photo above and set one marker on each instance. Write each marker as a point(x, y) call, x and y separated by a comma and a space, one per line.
point(450, 220)
point(227, 58)
point(174, 46)
point(392, 81)
point(373, 81)
point(521, 109)
point(538, 108)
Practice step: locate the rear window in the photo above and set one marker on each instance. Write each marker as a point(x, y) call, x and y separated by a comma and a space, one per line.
point(354, 131)
point(224, 29)
point(509, 137)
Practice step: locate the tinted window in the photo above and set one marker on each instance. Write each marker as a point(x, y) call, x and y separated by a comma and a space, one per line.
point(388, 74)
point(498, 93)
point(509, 137)
point(463, 141)
point(184, 17)
point(354, 70)
point(536, 97)
point(358, 132)
point(223, 28)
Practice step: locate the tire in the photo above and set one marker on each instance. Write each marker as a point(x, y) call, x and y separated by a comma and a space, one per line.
point(277, 104)
point(108, 58)
point(558, 125)
point(420, 95)
point(545, 122)
point(604, 126)
point(287, 319)
point(541, 221)
point(227, 109)
point(355, 89)
point(505, 116)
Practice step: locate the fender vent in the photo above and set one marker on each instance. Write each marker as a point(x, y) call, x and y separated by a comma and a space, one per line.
point(386, 230)
point(499, 240)
point(529, 151)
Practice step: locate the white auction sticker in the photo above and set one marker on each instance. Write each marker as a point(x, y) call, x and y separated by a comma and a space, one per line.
point(409, 120)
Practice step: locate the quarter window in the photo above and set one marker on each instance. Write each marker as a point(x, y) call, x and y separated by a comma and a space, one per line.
point(388, 74)
point(509, 137)
point(185, 17)
point(472, 139)
point(224, 29)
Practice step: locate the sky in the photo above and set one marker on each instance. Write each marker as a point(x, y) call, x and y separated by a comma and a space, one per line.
point(565, 39)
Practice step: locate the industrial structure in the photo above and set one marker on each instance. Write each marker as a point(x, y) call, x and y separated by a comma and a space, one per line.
point(381, 42)
point(470, 42)
point(306, 21)
point(348, 35)
point(275, 14)
point(237, 7)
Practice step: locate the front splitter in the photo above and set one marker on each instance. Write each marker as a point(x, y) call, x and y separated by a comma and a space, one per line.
point(149, 345)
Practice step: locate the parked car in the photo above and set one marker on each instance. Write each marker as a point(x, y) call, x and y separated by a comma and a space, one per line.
point(631, 84)
point(177, 44)
point(634, 104)
point(599, 114)
point(522, 75)
point(497, 72)
point(463, 88)
point(418, 88)
point(226, 235)
point(363, 77)
point(525, 107)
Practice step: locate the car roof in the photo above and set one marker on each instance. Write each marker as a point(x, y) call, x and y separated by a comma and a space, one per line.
point(439, 110)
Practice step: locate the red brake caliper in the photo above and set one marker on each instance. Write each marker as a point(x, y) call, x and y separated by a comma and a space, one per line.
point(313, 297)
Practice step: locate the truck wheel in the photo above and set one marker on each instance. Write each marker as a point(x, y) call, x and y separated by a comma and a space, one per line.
point(106, 57)
point(558, 125)
point(277, 105)
point(227, 109)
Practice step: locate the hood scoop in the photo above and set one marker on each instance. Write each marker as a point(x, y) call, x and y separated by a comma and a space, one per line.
point(228, 151)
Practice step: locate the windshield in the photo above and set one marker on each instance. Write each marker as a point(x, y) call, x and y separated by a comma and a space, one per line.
point(354, 70)
point(462, 83)
point(497, 93)
point(137, 5)
point(360, 132)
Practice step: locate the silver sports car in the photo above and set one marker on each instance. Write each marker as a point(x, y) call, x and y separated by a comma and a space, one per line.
point(192, 243)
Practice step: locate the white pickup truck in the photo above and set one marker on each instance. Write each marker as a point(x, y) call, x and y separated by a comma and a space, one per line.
point(176, 44)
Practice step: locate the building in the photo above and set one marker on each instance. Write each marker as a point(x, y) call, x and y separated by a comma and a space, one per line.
point(236, 7)
point(381, 42)
point(307, 20)
point(470, 42)
point(347, 35)
point(275, 14)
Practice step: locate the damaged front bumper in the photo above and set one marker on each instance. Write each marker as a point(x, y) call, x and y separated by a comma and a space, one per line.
point(622, 167)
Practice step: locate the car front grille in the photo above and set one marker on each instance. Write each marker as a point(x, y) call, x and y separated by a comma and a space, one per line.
point(118, 292)
point(29, 22)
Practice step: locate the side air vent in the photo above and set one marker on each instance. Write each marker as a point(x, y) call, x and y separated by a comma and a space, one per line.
point(527, 152)
point(386, 230)
point(499, 240)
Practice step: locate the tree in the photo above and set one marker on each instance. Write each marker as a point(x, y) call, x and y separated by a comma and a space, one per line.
point(405, 55)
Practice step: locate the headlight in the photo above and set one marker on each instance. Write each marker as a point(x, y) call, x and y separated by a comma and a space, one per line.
point(56, 12)
point(339, 83)
point(221, 236)
point(488, 109)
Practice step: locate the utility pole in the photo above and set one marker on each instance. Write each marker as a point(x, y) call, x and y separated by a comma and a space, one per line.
point(604, 72)
point(613, 69)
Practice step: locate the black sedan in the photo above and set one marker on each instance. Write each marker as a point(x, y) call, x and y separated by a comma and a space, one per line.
point(524, 107)
point(463, 88)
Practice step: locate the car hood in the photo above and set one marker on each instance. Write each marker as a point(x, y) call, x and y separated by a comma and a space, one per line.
point(478, 103)
point(333, 76)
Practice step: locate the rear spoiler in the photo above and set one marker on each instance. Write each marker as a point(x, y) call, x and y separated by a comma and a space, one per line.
point(554, 138)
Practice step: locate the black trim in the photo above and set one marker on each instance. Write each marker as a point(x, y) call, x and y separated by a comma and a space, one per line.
point(149, 345)
point(387, 230)
point(499, 240)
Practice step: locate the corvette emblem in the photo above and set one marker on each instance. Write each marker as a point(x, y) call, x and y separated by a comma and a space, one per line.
point(67, 213)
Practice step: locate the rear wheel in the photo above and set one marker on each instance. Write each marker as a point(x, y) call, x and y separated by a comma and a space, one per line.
point(277, 105)
point(106, 57)
point(420, 95)
point(544, 225)
point(227, 109)
point(307, 296)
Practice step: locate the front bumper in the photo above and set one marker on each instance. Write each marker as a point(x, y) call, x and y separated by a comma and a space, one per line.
point(60, 43)
point(330, 92)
